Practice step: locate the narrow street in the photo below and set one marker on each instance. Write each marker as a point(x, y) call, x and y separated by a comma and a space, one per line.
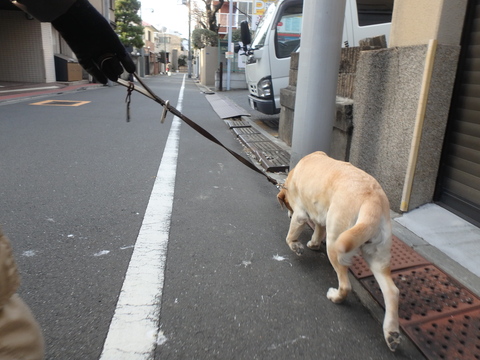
point(76, 195)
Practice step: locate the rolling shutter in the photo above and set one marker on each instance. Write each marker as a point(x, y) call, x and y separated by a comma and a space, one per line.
point(458, 187)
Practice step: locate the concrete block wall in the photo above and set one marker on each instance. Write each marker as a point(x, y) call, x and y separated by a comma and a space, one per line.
point(387, 91)
point(287, 103)
point(342, 130)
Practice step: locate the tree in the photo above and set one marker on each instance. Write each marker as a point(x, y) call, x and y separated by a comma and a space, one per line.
point(207, 19)
point(128, 22)
point(182, 60)
point(204, 37)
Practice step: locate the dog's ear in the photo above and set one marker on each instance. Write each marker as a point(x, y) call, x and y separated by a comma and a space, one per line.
point(281, 197)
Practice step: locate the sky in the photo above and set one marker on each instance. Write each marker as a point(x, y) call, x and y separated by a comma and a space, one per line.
point(166, 13)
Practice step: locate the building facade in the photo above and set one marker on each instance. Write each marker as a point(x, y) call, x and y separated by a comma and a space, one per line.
point(416, 117)
point(29, 46)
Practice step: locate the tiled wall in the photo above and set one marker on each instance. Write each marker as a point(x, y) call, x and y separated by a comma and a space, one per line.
point(22, 58)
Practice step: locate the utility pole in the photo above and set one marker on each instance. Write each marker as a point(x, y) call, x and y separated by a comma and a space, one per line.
point(229, 46)
point(322, 30)
point(189, 58)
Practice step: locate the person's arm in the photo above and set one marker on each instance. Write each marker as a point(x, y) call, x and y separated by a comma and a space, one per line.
point(20, 334)
point(44, 10)
point(89, 35)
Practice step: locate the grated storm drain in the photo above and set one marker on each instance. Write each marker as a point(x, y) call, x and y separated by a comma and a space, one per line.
point(263, 146)
point(402, 257)
point(244, 131)
point(450, 338)
point(437, 313)
point(274, 161)
point(425, 293)
point(246, 139)
point(237, 123)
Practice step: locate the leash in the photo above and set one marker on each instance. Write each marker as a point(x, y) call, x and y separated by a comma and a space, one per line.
point(167, 107)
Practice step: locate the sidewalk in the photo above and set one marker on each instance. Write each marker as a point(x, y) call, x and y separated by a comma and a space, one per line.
point(16, 91)
point(434, 257)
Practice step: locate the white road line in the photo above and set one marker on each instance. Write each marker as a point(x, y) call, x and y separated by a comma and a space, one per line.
point(33, 89)
point(134, 328)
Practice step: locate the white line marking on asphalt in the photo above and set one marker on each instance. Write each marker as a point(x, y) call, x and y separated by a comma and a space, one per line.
point(28, 89)
point(134, 329)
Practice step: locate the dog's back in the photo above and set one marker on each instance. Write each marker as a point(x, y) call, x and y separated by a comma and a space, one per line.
point(351, 209)
point(345, 199)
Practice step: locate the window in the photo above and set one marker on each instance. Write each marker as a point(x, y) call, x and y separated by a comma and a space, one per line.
point(371, 12)
point(288, 31)
point(244, 9)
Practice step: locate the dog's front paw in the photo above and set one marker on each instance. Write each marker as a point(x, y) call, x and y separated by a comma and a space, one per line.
point(393, 339)
point(296, 247)
point(334, 296)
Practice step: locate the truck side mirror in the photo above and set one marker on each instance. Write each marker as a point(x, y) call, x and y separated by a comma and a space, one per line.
point(237, 48)
point(245, 33)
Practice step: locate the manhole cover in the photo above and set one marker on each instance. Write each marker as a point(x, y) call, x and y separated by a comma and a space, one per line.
point(402, 257)
point(425, 293)
point(450, 338)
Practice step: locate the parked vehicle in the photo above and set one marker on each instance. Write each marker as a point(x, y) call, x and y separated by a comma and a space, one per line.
point(278, 35)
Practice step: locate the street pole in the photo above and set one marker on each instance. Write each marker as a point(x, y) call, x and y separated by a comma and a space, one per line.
point(189, 59)
point(322, 30)
point(106, 14)
point(229, 46)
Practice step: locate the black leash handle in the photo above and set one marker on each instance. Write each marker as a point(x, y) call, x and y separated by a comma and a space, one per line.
point(149, 93)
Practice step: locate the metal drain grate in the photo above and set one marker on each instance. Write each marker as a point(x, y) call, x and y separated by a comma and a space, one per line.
point(263, 146)
point(245, 131)
point(246, 139)
point(425, 293)
point(450, 338)
point(402, 257)
point(237, 123)
point(274, 161)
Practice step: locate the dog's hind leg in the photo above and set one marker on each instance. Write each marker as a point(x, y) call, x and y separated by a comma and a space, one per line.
point(344, 286)
point(296, 227)
point(317, 237)
point(390, 293)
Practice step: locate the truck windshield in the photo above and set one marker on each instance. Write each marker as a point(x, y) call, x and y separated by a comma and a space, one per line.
point(288, 31)
point(264, 26)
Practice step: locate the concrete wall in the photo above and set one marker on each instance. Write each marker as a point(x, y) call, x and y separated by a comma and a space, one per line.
point(237, 81)
point(415, 22)
point(387, 91)
point(208, 65)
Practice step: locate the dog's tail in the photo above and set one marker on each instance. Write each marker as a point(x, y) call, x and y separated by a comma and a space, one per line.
point(371, 226)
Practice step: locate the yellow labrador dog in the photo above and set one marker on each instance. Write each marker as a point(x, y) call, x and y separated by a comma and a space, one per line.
point(351, 209)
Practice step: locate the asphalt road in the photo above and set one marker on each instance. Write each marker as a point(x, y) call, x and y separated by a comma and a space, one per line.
point(74, 188)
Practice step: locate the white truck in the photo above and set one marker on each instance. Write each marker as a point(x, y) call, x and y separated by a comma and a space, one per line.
point(278, 35)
